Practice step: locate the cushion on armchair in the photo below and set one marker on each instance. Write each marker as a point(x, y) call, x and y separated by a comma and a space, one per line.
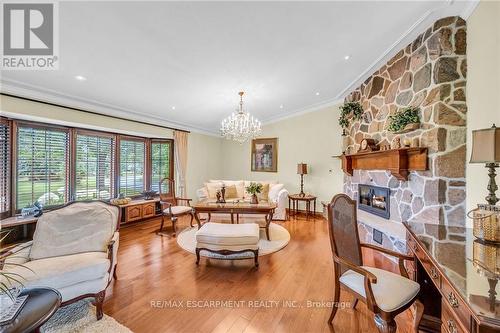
point(60, 272)
point(77, 228)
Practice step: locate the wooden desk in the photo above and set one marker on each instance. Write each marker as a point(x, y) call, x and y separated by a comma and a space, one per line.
point(458, 276)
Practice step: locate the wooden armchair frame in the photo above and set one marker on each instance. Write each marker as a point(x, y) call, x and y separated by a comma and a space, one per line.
point(169, 200)
point(353, 261)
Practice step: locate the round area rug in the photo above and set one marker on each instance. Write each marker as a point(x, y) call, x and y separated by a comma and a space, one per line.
point(279, 239)
point(79, 317)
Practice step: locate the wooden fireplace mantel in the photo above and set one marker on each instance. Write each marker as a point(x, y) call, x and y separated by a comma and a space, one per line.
point(398, 161)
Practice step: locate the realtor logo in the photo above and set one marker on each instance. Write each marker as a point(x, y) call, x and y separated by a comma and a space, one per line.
point(30, 36)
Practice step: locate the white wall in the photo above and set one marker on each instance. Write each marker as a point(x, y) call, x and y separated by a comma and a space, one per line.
point(311, 138)
point(204, 161)
point(483, 101)
point(483, 87)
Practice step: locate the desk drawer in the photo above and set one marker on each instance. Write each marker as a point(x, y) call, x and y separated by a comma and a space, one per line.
point(426, 263)
point(455, 304)
point(450, 324)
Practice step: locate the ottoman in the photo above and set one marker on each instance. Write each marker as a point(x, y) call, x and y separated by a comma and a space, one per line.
point(226, 239)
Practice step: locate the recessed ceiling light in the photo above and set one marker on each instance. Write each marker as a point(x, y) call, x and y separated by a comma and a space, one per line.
point(317, 93)
point(347, 57)
point(281, 106)
point(80, 78)
point(173, 107)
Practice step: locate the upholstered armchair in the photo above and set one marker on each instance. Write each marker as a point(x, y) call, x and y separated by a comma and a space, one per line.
point(171, 205)
point(74, 250)
point(385, 294)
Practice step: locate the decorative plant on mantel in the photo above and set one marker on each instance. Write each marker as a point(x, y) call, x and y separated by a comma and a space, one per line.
point(254, 189)
point(405, 120)
point(348, 109)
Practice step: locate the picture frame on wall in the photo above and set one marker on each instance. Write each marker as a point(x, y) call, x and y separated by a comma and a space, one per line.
point(264, 156)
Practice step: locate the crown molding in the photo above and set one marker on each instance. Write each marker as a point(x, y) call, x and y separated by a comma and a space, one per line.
point(301, 111)
point(30, 91)
point(420, 26)
point(17, 88)
point(469, 9)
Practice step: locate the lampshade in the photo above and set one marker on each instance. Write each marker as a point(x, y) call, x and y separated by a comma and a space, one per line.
point(486, 145)
point(302, 169)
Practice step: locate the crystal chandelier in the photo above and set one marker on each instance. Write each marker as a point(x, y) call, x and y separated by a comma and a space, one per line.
point(240, 125)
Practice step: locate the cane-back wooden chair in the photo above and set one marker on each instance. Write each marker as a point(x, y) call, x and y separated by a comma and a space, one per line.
point(171, 206)
point(386, 294)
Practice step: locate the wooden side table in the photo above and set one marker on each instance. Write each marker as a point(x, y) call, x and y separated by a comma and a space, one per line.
point(41, 304)
point(293, 204)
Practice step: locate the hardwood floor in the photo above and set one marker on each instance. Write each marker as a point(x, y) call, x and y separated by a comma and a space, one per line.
point(157, 280)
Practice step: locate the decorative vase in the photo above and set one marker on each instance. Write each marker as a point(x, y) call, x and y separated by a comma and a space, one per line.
point(254, 199)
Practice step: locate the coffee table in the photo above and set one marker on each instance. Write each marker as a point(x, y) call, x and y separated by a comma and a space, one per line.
point(236, 208)
point(41, 304)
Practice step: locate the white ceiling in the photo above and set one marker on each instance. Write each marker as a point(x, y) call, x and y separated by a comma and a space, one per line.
point(142, 58)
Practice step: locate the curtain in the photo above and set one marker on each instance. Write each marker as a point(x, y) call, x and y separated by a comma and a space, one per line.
point(181, 154)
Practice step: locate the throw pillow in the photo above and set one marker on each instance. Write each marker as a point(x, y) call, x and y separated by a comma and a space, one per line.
point(212, 189)
point(231, 192)
point(240, 186)
point(264, 194)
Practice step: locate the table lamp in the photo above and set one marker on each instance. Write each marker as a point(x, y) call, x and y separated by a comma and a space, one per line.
point(486, 149)
point(302, 170)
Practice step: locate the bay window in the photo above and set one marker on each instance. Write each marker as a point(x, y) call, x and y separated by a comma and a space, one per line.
point(5, 134)
point(94, 166)
point(132, 166)
point(41, 166)
point(161, 162)
point(53, 165)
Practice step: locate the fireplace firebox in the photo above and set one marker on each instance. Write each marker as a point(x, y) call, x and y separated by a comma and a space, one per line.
point(375, 200)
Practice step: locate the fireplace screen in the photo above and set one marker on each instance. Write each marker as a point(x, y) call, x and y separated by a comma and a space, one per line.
point(375, 200)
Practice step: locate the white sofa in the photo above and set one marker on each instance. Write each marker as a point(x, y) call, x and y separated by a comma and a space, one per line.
point(74, 251)
point(277, 194)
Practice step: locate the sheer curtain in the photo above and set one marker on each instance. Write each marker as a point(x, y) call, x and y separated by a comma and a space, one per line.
point(181, 153)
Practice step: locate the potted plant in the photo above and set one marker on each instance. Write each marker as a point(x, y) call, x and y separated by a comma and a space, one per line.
point(405, 120)
point(254, 189)
point(347, 110)
point(10, 282)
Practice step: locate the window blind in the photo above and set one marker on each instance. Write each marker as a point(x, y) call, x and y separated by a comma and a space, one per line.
point(160, 162)
point(5, 166)
point(132, 166)
point(94, 169)
point(42, 166)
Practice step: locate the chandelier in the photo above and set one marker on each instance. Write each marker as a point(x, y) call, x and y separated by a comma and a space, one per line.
point(240, 125)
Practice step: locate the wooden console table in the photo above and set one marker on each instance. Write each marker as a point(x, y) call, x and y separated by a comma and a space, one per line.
point(458, 277)
point(137, 210)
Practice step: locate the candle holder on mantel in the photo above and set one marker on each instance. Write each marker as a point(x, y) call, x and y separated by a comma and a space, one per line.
point(302, 170)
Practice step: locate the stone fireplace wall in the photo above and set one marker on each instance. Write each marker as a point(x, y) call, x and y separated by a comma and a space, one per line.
point(430, 73)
